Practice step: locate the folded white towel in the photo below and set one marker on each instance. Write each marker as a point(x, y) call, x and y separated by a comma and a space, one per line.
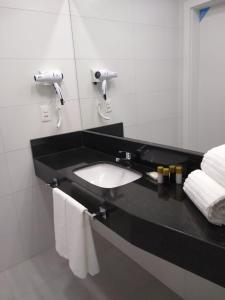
point(73, 235)
point(207, 195)
point(213, 164)
point(219, 150)
point(216, 173)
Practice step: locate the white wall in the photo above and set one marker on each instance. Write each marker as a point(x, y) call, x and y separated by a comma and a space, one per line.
point(211, 93)
point(33, 35)
point(139, 40)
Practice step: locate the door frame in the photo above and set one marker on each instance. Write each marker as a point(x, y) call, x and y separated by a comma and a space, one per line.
point(190, 70)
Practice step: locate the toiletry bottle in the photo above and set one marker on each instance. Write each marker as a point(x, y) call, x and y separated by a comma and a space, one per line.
point(166, 173)
point(160, 174)
point(179, 175)
point(172, 169)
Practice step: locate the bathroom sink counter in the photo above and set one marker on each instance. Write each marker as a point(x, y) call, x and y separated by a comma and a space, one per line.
point(156, 218)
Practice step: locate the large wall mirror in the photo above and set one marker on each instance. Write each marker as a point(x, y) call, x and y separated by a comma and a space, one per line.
point(169, 88)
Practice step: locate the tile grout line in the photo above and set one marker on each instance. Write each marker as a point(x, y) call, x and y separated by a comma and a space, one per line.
point(33, 10)
point(124, 22)
point(75, 65)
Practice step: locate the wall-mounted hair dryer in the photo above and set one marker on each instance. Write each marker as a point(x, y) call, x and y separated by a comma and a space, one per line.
point(102, 76)
point(51, 78)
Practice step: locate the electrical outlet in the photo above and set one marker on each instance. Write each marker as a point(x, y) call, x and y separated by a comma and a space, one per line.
point(108, 106)
point(45, 113)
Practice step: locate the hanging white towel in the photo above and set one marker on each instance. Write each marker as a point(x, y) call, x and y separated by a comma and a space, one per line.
point(59, 206)
point(81, 249)
point(207, 195)
point(73, 235)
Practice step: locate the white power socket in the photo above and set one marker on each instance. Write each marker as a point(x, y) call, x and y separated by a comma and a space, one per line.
point(108, 106)
point(45, 113)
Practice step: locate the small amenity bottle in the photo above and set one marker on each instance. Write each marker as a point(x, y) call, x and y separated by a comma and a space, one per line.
point(166, 174)
point(179, 175)
point(172, 169)
point(160, 174)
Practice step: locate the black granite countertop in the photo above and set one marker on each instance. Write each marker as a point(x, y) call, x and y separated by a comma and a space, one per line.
point(157, 218)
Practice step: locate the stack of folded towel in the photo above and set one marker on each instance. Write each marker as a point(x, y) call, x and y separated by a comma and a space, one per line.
point(206, 187)
point(213, 164)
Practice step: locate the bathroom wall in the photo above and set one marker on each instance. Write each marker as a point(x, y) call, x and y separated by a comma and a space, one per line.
point(210, 105)
point(34, 35)
point(140, 40)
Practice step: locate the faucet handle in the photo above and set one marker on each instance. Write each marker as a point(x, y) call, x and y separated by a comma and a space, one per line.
point(128, 155)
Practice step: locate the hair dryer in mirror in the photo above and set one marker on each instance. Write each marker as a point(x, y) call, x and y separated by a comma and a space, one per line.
point(53, 78)
point(102, 76)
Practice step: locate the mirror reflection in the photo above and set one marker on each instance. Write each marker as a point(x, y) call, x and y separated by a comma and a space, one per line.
point(138, 63)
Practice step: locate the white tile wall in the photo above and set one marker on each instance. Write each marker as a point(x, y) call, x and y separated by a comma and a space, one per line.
point(156, 75)
point(11, 246)
point(165, 130)
point(5, 182)
point(1, 145)
point(21, 123)
point(21, 169)
point(39, 35)
point(209, 105)
point(155, 106)
point(89, 114)
point(34, 35)
point(156, 12)
point(33, 208)
point(155, 42)
point(102, 9)
point(53, 6)
point(101, 39)
point(131, 131)
point(124, 109)
point(18, 90)
point(139, 40)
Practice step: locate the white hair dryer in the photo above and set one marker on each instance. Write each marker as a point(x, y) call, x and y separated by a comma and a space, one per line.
point(52, 78)
point(102, 76)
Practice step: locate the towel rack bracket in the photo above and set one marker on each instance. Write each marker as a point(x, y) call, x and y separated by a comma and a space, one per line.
point(101, 213)
point(54, 183)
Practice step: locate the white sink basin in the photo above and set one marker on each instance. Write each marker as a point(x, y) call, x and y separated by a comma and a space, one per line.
point(107, 175)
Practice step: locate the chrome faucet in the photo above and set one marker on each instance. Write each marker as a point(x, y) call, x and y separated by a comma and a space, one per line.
point(127, 156)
